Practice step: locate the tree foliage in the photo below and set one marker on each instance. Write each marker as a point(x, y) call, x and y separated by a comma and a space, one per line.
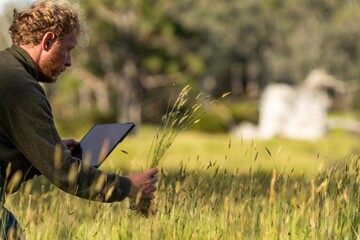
point(139, 49)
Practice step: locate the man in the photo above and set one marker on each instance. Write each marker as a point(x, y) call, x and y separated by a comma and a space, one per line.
point(43, 37)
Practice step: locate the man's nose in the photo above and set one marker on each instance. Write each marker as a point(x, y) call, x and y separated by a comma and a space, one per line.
point(68, 61)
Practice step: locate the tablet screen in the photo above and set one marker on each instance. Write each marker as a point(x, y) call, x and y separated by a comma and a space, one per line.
point(99, 142)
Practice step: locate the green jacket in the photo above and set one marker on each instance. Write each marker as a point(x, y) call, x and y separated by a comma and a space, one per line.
point(30, 144)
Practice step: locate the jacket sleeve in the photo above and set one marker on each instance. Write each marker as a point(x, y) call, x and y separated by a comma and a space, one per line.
point(32, 129)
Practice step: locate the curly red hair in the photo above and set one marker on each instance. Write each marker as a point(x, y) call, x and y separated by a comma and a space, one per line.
point(58, 17)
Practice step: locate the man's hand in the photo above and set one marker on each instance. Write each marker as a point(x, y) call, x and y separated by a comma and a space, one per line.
point(70, 144)
point(143, 184)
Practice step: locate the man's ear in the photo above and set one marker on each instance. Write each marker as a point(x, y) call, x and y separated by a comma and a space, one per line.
point(48, 41)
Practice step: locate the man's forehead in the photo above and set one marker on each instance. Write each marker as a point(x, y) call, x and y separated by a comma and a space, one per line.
point(71, 38)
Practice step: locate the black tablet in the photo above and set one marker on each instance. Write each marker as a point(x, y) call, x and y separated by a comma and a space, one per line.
point(99, 142)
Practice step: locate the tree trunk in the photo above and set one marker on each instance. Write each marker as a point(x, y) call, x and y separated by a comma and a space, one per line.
point(129, 95)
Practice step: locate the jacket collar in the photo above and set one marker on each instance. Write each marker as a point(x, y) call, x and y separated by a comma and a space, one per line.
point(25, 59)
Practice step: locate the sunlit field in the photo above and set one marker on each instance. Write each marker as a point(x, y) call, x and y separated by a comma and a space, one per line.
point(214, 186)
point(196, 150)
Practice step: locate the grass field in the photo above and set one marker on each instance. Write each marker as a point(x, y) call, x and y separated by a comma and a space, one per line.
point(196, 150)
point(214, 187)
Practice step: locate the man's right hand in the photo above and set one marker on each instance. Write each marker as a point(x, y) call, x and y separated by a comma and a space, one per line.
point(143, 184)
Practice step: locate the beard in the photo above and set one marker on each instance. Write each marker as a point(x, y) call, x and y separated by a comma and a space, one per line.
point(50, 68)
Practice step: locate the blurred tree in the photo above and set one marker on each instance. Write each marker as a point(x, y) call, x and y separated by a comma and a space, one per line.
point(5, 40)
point(314, 34)
point(5, 20)
point(138, 49)
point(237, 33)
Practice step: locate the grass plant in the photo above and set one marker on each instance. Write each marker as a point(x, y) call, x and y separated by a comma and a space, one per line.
point(210, 201)
point(214, 187)
point(179, 117)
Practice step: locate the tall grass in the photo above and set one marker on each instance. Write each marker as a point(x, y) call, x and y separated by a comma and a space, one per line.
point(179, 117)
point(209, 202)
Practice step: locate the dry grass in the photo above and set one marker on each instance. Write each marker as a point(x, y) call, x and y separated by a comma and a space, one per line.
point(208, 202)
point(182, 115)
